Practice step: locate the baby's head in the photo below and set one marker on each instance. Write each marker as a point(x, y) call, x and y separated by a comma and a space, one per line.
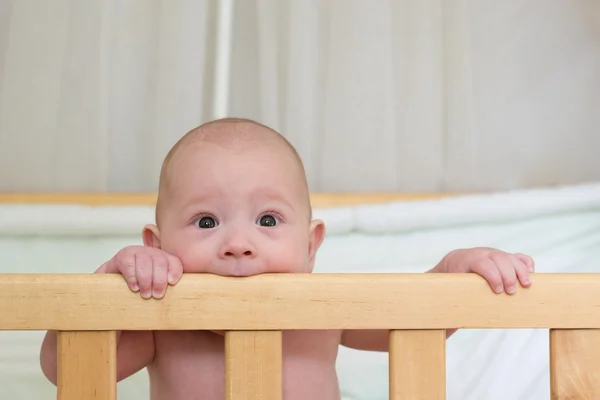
point(233, 200)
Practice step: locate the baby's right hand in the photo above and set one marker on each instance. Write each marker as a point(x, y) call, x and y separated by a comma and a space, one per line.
point(146, 269)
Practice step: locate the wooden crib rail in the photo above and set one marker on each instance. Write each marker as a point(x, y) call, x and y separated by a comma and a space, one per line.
point(297, 301)
point(417, 308)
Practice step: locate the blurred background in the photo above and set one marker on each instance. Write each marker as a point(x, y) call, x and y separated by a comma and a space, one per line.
point(378, 96)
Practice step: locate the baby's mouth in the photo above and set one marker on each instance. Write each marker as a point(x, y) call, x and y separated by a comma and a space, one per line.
point(237, 268)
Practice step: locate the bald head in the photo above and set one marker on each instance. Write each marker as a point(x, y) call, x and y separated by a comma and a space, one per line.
point(233, 134)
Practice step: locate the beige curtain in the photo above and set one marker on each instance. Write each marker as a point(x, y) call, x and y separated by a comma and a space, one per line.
point(94, 92)
point(386, 95)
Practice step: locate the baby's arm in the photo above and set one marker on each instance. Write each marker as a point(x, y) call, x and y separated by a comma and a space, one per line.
point(135, 350)
point(145, 269)
point(501, 270)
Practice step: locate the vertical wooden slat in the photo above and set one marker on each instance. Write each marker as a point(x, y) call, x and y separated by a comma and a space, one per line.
point(575, 364)
point(417, 365)
point(253, 365)
point(87, 365)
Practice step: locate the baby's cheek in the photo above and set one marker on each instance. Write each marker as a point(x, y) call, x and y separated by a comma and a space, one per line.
point(193, 257)
point(195, 261)
point(290, 259)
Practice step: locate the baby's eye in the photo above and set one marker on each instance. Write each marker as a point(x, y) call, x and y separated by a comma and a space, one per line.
point(206, 223)
point(267, 220)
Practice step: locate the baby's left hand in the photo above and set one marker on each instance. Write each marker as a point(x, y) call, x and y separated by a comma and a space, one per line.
point(501, 270)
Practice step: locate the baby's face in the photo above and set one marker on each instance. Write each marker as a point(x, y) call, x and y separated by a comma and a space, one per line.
point(238, 213)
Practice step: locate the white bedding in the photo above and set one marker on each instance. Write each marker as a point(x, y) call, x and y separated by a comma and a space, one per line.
point(560, 227)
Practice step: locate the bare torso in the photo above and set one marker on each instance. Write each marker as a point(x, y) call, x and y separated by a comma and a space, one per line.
point(190, 365)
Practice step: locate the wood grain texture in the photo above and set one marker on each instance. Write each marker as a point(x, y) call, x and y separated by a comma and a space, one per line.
point(87, 365)
point(318, 200)
point(298, 301)
point(253, 365)
point(575, 364)
point(417, 364)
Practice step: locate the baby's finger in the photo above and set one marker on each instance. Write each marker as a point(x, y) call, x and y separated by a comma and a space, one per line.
point(488, 270)
point(126, 266)
point(159, 276)
point(528, 261)
point(144, 273)
point(507, 271)
point(522, 271)
point(175, 269)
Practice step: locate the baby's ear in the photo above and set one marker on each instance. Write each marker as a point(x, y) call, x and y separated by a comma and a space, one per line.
point(316, 236)
point(151, 236)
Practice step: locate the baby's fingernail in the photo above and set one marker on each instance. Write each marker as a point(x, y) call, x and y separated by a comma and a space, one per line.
point(531, 269)
point(510, 289)
point(526, 281)
point(135, 287)
point(498, 289)
point(146, 294)
point(171, 279)
point(157, 294)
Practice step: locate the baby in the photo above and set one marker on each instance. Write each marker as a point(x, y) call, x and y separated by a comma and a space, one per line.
point(233, 201)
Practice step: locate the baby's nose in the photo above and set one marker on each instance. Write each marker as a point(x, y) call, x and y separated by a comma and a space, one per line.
point(237, 249)
point(238, 253)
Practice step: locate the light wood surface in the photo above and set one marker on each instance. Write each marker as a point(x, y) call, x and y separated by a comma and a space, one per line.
point(575, 364)
point(253, 365)
point(318, 200)
point(417, 365)
point(87, 365)
point(298, 301)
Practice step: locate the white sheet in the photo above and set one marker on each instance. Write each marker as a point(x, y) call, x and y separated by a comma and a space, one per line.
point(559, 227)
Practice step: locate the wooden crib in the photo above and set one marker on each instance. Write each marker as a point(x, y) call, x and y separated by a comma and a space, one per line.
point(88, 309)
point(417, 308)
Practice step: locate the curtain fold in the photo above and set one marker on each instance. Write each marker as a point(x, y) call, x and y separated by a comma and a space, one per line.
point(93, 93)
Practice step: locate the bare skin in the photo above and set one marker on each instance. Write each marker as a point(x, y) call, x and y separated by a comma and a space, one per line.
point(308, 365)
point(233, 201)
